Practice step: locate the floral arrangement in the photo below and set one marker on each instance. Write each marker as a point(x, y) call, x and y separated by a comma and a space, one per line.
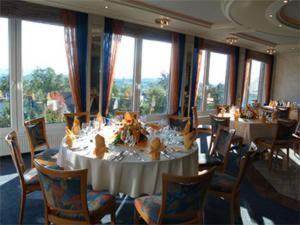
point(250, 112)
point(131, 132)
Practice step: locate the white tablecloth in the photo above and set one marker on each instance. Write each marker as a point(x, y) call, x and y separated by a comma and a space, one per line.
point(136, 174)
point(253, 129)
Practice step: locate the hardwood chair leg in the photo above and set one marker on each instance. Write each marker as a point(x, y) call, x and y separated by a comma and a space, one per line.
point(288, 156)
point(136, 217)
point(113, 217)
point(237, 206)
point(232, 211)
point(271, 158)
point(22, 206)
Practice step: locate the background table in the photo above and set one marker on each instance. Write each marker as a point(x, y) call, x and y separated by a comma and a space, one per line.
point(135, 175)
point(253, 129)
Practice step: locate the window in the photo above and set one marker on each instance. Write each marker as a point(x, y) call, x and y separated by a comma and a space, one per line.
point(4, 75)
point(141, 81)
point(256, 81)
point(46, 90)
point(155, 77)
point(122, 94)
point(213, 77)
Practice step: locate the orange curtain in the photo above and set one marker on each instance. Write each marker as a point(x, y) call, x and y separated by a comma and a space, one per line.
point(198, 75)
point(69, 19)
point(268, 81)
point(117, 30)
point(174, 74)
point(233, 74)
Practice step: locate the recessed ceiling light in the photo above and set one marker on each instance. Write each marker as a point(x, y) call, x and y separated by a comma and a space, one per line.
point(106, 7)
point(280, 25)
point(285, 1)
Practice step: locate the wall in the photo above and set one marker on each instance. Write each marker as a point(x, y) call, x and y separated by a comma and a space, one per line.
point(286, 77)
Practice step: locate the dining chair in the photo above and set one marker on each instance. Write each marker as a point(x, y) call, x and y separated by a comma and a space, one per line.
point(296, 135)
point(83, 117)
point(68, 200)
point(283, 139)
point(283, 112)
point(181, 202)
point(178, 122)
point(227, 187)
point(37, 138)
point(219, 155)
point(122, 113)
point(217, 121)
point(28, 178)
point(200, 129)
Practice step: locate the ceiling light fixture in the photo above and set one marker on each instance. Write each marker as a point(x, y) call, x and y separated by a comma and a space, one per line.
point(162, 21)
point(231, 40)
point(271, 50)
point(280, 25)
point(106, 7)
point(285, 1)
point(271, 15)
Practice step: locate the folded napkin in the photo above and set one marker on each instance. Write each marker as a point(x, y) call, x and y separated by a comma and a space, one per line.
point(100, 147)
point(99, 119)
point(189, 139)
point(187, 128)
point(69, 137)
point(76, 126)
point(155, 147)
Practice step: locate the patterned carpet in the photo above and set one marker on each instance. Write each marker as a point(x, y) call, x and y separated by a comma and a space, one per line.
point(255, 207)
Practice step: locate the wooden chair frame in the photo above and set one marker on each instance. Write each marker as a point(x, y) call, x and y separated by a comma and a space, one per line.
point(20, 167)
point(73, 115)
point(196, 123)
point(51, 213)
point(31, 145)
point(234, 196)
point(235, 140)
point(166, 178)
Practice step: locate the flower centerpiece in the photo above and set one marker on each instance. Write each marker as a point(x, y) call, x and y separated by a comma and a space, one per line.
point(249, 112)
point(131, 131)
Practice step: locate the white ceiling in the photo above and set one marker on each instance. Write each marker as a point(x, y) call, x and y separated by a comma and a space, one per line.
point(215, 19)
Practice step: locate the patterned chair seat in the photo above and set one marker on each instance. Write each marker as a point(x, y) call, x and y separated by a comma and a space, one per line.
point(47, 155)
point(95, 200)
point(222, 182)
point(150, 206)
point(31, 177)
point(208, 160)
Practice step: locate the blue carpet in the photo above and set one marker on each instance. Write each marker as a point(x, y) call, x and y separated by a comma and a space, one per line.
point(255, 209)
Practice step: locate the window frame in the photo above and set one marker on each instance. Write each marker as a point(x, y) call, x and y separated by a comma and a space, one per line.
point(16, 81)
point(260, 83)
point(203, 107)
point(137, 79)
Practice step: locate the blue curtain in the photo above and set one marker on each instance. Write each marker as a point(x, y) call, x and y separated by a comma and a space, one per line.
point(181, 72)
point(81, 43)
point(106, 61)
point(194, 74)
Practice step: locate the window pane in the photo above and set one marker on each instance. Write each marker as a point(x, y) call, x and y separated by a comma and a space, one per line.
point(216, 80)
point(123, 80)
point(156, 56)
point(4, 75)
point(254, 80)
point(200, 94)
point(46, 90)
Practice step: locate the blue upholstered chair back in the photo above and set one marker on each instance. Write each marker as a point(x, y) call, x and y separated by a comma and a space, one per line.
point(285, 129)
point(283, 112)
point(63, 190)
point(37, 133)
point(216, 122)
point(70, 119)
point(223, 140)
point(184, 197)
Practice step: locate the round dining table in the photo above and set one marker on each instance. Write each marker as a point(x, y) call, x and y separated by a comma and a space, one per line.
point(128, 169)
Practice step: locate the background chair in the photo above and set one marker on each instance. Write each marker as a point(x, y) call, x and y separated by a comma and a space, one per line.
point(182, 201)
point(200, 129)
point(178, 122)
point(283, 112)
point(228, 187)
point(67, 200)
point(283, 139)
point(37, 138)
point(83, 117)
point(28, 178)
point(219, 155)
point(223, 121)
